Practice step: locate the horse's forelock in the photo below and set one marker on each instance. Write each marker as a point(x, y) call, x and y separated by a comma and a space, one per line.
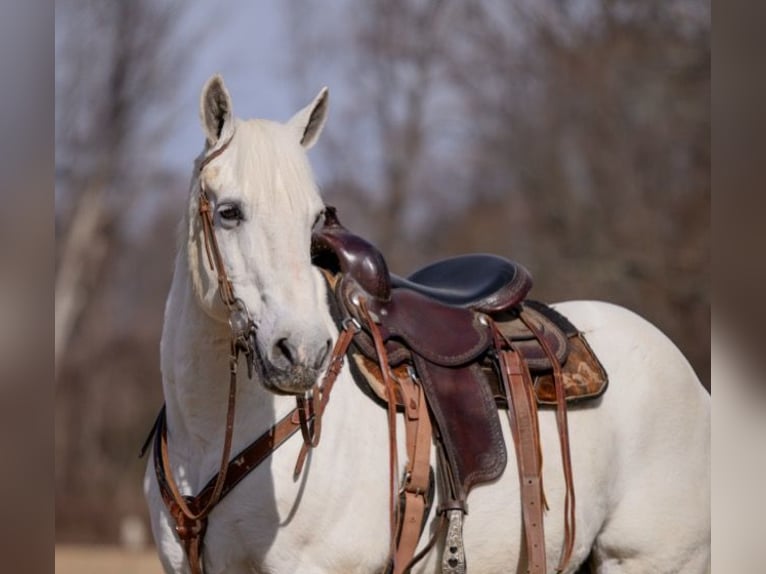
point(268, 152)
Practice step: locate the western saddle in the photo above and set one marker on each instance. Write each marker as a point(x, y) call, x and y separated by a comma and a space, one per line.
point(447, 346)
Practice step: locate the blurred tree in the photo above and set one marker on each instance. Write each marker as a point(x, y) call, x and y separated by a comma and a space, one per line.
point(118, 64)
point(572, 136)
point(599, 136)
point(380, 145)
point(116, 70)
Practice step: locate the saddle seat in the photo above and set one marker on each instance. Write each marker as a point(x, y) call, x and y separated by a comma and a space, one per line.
point(481, 282)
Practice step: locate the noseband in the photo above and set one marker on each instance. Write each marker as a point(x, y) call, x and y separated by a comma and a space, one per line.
point(190, 512)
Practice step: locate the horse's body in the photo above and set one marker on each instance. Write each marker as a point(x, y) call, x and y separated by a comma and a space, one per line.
point(640, 453)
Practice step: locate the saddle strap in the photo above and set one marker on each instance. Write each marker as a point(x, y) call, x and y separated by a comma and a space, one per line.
point(391, 401)
point(566, 457)
point(522, 415)
point(417, 425)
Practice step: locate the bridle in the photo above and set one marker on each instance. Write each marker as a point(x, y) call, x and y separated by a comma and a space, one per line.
point(243, 328)
point(190, 513)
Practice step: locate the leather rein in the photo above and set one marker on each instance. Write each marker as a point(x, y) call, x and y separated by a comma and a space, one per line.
point(190, 513)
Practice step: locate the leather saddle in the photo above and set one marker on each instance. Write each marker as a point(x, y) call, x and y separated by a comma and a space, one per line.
point(434, 319)
point(443, 323)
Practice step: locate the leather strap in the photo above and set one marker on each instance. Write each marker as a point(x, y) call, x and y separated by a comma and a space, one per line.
point(225, 289)
point(322, 393)
point(522, 414)
point(406, 525)
point(566, 458)
point(391, 401)
point(191, 527)
point(418, 430)
point(406, 522)
point(190, 512)
point(192, 531)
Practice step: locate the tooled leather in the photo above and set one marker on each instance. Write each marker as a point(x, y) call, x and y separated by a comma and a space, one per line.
point(456, 395)
point(444, 335)
point(583, 376)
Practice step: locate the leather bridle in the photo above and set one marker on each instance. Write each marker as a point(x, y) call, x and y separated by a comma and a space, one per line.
point(190, 513)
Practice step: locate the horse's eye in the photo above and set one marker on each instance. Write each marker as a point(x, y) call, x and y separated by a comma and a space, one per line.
point(230, 214)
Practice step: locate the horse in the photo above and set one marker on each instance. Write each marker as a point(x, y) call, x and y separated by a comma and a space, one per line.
point(640, 453)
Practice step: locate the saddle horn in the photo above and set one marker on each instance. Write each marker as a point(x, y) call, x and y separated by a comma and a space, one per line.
point(336, 249)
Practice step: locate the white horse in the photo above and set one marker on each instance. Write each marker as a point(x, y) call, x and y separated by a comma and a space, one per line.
point(640, 453)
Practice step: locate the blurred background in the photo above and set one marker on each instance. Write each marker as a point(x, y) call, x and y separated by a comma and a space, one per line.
point(572, 136)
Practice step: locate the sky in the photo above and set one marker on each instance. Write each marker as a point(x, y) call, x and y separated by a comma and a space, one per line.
point(254, 45)
point(246, 46)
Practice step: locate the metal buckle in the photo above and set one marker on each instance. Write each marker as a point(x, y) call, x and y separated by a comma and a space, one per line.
point(239, 319)
point(351, 321)
point(406, 482)
point(243, 331)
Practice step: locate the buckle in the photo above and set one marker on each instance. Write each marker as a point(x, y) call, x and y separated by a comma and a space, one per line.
point(243, 333)
point(407, 488)
point(351, 321)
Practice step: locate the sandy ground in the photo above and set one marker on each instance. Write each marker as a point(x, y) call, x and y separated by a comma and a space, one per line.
point(103, 559)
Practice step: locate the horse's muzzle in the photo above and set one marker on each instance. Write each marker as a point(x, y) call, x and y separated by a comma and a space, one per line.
point(295, 380)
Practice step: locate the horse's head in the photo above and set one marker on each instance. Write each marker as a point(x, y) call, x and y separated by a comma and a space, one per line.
point(263, 203)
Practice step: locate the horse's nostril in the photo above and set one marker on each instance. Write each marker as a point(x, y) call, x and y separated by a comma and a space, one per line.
point(282, 347)
point(285, 354)
point(322, 356)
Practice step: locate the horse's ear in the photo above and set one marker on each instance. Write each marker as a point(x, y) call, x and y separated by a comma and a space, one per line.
point(215, 109)
point(310, 120)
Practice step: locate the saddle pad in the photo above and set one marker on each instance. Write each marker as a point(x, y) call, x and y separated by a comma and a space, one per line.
point(583, 375)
